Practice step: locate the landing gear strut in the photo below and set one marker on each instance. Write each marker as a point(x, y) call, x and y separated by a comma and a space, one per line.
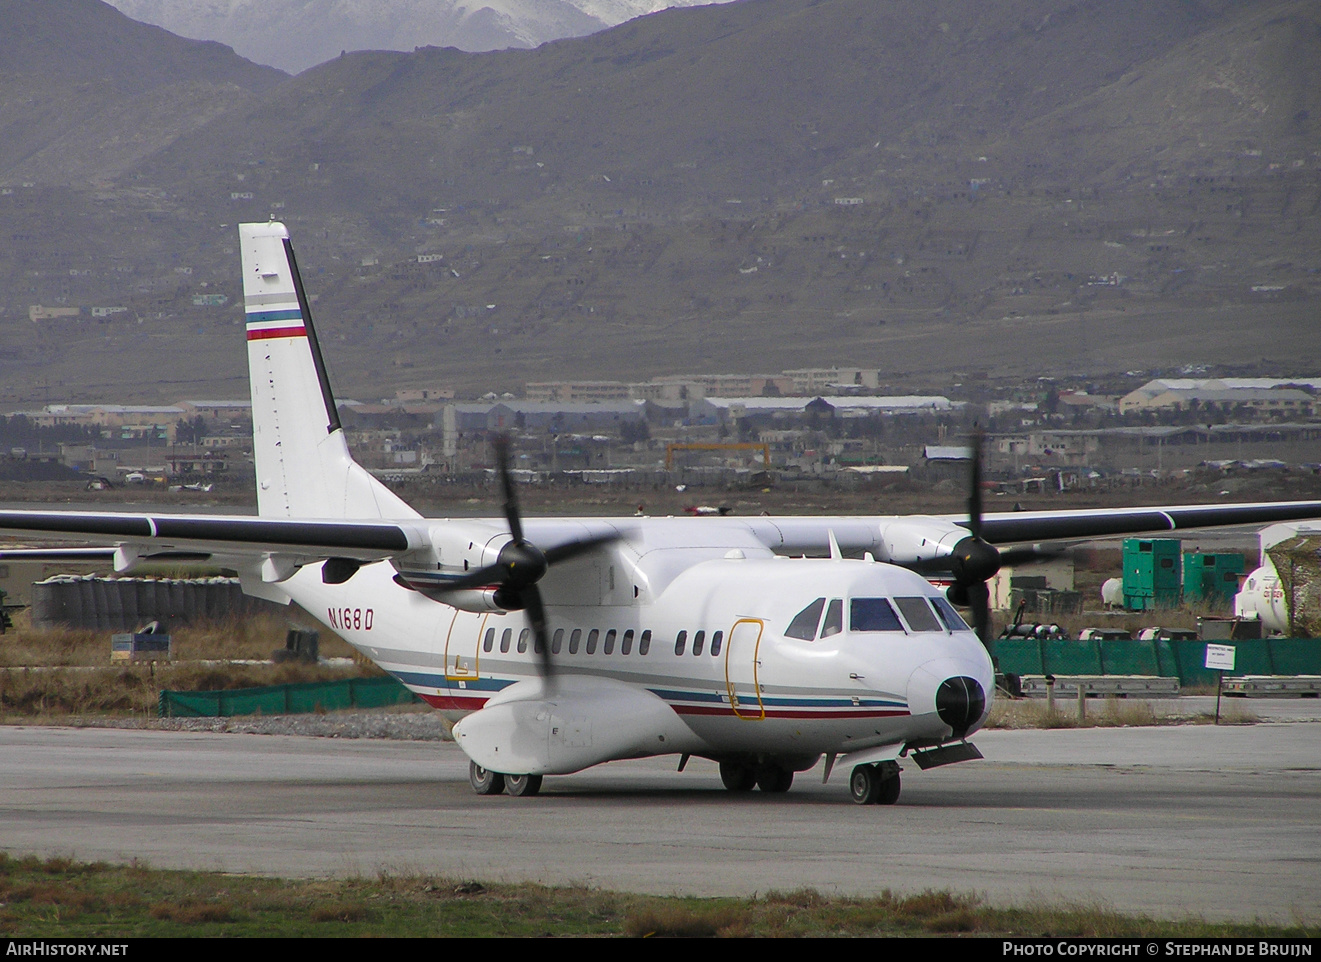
point(875, 784)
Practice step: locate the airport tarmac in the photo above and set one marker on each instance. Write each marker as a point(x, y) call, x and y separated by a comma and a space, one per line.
point(1171, 821)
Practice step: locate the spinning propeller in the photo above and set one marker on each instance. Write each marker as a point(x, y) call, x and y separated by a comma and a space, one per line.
point(974, 560)
point(519, 566)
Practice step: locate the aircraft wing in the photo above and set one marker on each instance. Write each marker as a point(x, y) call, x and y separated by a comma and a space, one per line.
point(168, 535)
point(1019, 526)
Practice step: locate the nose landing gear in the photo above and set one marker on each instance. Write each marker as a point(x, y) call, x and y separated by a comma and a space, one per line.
point(875, 784)
point(486, 782)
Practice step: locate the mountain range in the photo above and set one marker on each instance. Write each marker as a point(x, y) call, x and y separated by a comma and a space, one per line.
point(927, 186)
point(296, 34)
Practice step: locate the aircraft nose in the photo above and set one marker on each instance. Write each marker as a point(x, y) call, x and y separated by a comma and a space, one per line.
point(951, 692)
point(960, 702)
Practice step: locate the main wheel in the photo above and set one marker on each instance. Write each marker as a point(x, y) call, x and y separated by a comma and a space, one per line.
point(889, 793)
point(865, 784)
point(738, 777)
point(484, 781)
point(773, 778)
point(522, 786)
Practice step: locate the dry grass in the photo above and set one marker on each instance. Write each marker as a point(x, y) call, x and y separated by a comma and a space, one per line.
point(135, 689)
point(61, 672)
point(254, 637)
point(67, 899)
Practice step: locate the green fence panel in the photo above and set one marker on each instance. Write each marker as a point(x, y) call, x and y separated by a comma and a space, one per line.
point(318, 696)
point(187, 704)
point(380, 692)
point(286, 699)
point(253, 701)
point(1019, 656)
point(1191, 656)
point(1295, 656)
point(1063, 656)
point(1253, 657)
point(1167, 659)
point(1120, 657)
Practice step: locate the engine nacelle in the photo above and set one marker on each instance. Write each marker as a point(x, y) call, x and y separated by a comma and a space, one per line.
point(480, 600)
point(1262, 598)
point(920, 539)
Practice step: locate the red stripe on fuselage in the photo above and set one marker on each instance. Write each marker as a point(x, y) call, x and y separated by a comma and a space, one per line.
point(263, 333)
point(787, 713)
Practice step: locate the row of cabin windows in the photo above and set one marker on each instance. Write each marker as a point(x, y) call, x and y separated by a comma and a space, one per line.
point(575, 641)
point(699, 641)
point(874, 614)
point(594, 639)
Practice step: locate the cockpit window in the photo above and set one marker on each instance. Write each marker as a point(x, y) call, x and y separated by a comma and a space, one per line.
point(834, 622)
point(872, 614)
point(918, 614)
point(951, 617)
point(804, 624)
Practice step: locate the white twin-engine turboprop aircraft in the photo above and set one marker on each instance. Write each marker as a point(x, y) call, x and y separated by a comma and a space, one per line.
point(557, 644)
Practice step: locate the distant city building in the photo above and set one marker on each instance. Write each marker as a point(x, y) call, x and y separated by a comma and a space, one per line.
point(1239, 396)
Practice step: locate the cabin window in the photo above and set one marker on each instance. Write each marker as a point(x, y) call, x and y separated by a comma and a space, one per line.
point(574, 639)
point(872, 614)
point(592, 637)
point(918, 614)
point(610, 642)
point(680, 642)
point(644, 642)
point(538, 644)
point(557, 641)
point(489, 641)
point(505, 638)
point(626, 645)
point(948, 615)
point(716, 639)
point(522, 639)
point(804, 624)
point(699, 639)
point(834, 622)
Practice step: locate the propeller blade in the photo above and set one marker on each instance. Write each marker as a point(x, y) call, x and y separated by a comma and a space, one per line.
point(1030, 554)
point(507, 481)
point(480, 578)
point(536, 616)
point(975, 491)
point(979, 600)
point(572, 549)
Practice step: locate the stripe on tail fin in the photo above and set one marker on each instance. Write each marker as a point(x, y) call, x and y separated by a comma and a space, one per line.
point(304, 469)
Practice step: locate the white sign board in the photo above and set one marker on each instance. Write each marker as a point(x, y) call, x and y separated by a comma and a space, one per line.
point(1220, 657)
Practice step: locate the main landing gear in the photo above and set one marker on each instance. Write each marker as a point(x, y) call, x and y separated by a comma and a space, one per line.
point(875, 784)
point(486, 782)
point(743, 777)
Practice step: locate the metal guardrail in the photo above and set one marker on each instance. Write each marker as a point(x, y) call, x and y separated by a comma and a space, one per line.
point(1038, 686)
point(1273, 686)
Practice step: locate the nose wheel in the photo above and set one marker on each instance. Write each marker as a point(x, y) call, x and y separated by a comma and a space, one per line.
point(486, 782)
point(875, 784)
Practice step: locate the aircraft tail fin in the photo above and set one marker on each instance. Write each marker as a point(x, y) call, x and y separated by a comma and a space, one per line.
point(304, 468)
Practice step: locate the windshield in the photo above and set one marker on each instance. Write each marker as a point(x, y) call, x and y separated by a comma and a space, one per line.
point(873, 614)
